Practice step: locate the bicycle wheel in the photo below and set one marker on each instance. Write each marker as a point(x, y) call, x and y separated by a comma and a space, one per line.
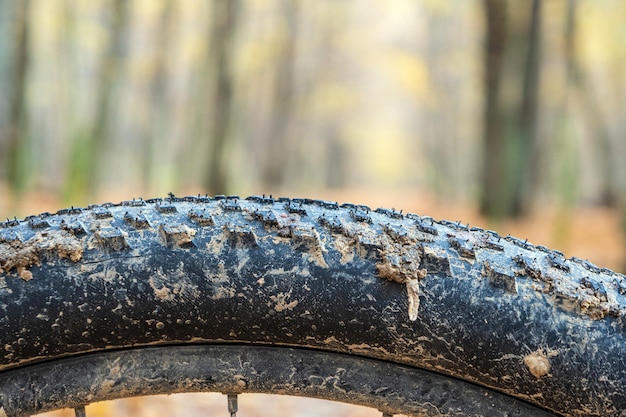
point(302, 297)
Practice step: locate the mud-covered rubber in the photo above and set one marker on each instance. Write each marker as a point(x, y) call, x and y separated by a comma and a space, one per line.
point(440, 296)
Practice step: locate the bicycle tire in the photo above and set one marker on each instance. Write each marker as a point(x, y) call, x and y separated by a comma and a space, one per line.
point(437, 296)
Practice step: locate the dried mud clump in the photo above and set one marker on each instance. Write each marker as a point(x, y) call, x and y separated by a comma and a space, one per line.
point(19, 256)
point(400, 262)
point(538, 364)
point(399, 268)
point(176, 236)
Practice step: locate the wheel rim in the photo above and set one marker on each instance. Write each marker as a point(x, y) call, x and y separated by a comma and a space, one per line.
point(234, 369)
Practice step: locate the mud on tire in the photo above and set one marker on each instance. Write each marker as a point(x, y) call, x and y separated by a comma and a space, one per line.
point(447, 299)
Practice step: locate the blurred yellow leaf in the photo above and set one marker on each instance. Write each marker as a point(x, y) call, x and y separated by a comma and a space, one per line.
point(384, 147)
point(602, 36)
point(332, 97)
point(408, 70)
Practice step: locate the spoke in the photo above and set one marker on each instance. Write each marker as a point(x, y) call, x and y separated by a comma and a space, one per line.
point(232, 405)
point(387, 414)
point(80, 412)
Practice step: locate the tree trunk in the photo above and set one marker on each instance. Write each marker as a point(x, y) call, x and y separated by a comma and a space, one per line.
point(510, 151)
point(278, 145)
point(530, 172)
point(493, 202)
point(154, 136)
point(88, 150)
point(223, 30)
point(14, 132)
point(108, 72)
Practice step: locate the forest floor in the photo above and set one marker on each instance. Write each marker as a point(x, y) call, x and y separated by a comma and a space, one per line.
point(592, 233)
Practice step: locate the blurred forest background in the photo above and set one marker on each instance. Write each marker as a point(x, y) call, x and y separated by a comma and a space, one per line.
point(507, 114)
point(488, 110)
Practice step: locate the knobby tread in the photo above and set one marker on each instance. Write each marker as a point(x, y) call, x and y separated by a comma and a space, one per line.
point(440, 295)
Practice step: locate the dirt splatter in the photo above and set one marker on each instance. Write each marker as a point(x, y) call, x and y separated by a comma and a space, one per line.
point(223, 292)
point(17, 255)
point(282, 302)
point(216, 245)
point(413, 292)
point(345, 246)
point(537, 363)
point(176, 236)
point(65, 246)
point(25, 274)
point(397, 268)
point(401, 262)
point(309, 242)
point(163, 293)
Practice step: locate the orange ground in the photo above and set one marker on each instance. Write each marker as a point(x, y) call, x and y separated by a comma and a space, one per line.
point(250, 405)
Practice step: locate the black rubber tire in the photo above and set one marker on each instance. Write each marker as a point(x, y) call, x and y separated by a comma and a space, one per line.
point(438, 296)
